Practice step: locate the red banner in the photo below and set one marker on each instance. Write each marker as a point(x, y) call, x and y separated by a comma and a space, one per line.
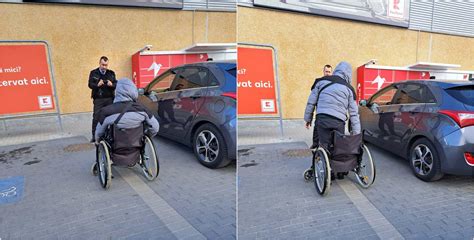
point(373, 78)
point(25, 80)
point(146, 67)
point(256, 81)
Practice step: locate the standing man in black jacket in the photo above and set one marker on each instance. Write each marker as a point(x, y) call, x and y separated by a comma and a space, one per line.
point(327, 71)
point(102, 82)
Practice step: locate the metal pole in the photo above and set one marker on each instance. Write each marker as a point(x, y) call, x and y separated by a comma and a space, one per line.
point(277, 80)
point(5, 125)
point(278, 91)
point(51, 67)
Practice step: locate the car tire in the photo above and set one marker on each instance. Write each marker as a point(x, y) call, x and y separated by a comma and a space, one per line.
point(425, 161)
point(206, 140)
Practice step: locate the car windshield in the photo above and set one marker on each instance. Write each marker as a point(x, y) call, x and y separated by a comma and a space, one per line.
point(464, 94)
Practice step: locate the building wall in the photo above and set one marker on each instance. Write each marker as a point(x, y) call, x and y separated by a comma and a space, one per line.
point(79, 34)
point(305, 43)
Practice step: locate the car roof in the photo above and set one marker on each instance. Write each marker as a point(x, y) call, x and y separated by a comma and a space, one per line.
point(441, 82)
point(208, 63)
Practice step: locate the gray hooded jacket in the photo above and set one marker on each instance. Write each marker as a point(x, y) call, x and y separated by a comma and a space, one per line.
point(335, 100)
point(126, 94)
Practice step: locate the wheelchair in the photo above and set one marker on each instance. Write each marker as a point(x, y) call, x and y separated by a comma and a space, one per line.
point(320, 171)
point(135, 147)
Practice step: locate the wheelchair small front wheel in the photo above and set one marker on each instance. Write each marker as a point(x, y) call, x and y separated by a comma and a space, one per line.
point(365, 171)
point(104, 165)
point(149, 160)
point(322, 171)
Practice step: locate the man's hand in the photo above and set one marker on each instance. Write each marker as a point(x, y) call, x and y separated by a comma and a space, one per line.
point(109, 83)
point(308, 125)
point(101, 82)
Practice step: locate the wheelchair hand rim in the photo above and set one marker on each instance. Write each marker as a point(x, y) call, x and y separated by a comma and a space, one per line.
point(365, 171)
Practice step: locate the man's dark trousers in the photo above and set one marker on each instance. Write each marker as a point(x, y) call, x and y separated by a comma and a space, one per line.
point(99, 103)
point(315, 133)
point(325, 125)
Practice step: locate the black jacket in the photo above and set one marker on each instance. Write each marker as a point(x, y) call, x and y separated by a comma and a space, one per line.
point(104, 91)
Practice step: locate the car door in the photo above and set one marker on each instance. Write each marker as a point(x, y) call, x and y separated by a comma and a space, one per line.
point(154, 98)
point(185, 98)
point(410, 102)
point(376, 116)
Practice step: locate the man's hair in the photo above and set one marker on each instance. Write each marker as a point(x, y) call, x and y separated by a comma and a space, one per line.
point(106, 59)
point(327, 66)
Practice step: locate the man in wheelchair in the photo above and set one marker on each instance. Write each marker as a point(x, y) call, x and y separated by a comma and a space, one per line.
point(333, 97)
point(123, 124)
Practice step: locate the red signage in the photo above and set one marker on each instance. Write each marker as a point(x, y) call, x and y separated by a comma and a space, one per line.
point(372, 78)
point(256, 81)
point(25, 80)
point(146, 66)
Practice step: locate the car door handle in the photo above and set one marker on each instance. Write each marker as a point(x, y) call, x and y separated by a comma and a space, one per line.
point(196, 96)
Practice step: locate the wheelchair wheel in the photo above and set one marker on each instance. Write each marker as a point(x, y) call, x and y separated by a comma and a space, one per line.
point(149, 160)
point(322, 171)
point(365, 171)
point(104, 168)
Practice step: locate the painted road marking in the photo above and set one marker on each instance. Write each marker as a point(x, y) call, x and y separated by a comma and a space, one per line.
point(181, 228)
point(11, 189)
point(382, 227)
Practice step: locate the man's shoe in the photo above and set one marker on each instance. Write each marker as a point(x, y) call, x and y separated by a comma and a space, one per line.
point(92, 140)
point(314, 146)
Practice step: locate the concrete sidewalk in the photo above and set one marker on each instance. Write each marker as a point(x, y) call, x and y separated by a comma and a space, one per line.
point(35, 129)
point(252, 132)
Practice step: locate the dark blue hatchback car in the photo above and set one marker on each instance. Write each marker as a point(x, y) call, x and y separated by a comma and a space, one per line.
point(429, 122)
point(195, 104)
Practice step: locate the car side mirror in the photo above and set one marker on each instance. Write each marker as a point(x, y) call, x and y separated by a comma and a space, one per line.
point(141, 91)
point(363, 103)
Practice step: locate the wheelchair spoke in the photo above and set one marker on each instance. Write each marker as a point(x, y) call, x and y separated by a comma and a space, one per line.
point(149, 159)
point(365, 170)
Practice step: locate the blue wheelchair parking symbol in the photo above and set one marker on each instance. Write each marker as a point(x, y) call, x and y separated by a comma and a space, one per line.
point(11, 189)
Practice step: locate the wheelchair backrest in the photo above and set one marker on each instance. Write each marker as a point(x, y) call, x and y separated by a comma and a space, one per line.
point(346, 144)
point(127, 137)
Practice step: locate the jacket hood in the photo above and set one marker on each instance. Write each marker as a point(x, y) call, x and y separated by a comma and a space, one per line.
point(344, 70)
point(125, 91)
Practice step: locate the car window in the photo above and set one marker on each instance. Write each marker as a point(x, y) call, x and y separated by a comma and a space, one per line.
point(163, 82)
point(414, 93)
point(232, 71)
point(384, 97)
point(190, 77)
point(212, 80)
point(464, 94)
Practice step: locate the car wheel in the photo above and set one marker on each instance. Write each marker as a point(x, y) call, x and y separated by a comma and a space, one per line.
point(209, 147)
point(424, 161)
